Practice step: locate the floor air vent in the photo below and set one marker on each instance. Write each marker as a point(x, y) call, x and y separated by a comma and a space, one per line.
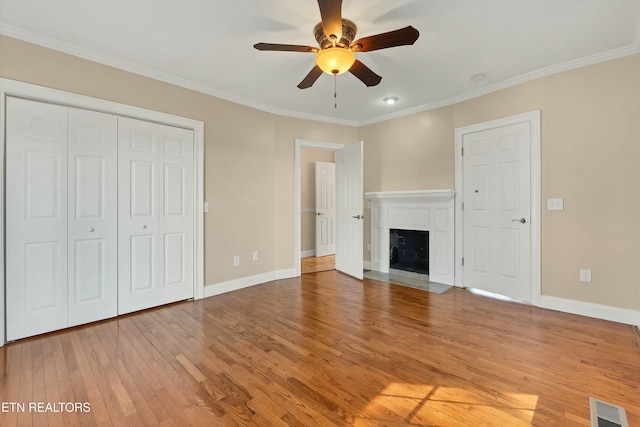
point(607, 415)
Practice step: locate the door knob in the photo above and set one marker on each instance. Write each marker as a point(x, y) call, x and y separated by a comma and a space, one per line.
point(318, 213)
point(91, 229)
point(144, 227)
point(358, 217)
point(520, 220)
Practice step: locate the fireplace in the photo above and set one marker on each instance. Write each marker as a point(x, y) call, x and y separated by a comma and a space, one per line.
point(427, 211)
point(409, 250)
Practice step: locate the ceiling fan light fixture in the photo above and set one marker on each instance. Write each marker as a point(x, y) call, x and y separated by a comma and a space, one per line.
point(335, 60)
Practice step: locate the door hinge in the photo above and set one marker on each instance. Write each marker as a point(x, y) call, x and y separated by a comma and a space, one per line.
point(462, 261)
point(462, 205)
point(462, 151)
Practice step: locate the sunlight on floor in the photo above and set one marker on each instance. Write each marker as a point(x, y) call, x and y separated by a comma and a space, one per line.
point(419, 403)
point(492, 295)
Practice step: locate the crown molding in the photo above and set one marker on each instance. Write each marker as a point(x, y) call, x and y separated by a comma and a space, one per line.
point(30, 37)
point(631, 49)
point(37, 39)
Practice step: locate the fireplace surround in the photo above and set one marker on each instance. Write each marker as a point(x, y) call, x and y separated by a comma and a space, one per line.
point(426, 210)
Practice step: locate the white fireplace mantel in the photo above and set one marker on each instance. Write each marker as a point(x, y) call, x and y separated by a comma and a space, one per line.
point(435, 195)
point(425, 210)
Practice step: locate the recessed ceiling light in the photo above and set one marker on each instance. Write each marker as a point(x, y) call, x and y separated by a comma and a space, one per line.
point(390, 100)
point(478, 78)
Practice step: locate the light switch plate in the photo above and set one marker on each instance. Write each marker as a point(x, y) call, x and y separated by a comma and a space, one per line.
point(585, 275)
point(555, 204)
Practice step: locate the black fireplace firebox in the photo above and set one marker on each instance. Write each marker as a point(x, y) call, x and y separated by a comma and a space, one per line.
point(409, 250)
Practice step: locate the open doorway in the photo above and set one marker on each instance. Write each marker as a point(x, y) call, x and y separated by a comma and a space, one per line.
point(318, 212)
point(349, 205)
point(317, 207)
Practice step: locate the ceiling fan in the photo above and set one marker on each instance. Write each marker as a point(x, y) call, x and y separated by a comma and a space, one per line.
point(336, 52)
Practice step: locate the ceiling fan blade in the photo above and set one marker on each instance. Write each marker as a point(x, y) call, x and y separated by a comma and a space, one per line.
point(311, 78)
point(401, 37)
point(331, 13)
point(285, 47)
point(364, 73)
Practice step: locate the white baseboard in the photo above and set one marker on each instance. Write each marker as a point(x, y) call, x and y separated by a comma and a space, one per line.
point(598, 311)
point(245, 282)
point(307, 254)
point(284, 274)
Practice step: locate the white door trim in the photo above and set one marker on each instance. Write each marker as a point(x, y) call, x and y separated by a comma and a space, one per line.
point(297, 208)
point(39, 93)
point(533, 118)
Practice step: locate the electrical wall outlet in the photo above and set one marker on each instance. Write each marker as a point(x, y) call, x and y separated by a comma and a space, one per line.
point(555, 204)
point(585, 275)
point(256, 255)
point(236, 261)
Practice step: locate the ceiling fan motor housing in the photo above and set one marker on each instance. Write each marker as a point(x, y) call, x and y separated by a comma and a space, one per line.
point(349, 31)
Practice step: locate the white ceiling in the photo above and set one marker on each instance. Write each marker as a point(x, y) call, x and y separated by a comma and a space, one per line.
point(207, 45)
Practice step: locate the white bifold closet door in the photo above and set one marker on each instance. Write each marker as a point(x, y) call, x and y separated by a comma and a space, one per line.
point(61, 189)
point(156, 217)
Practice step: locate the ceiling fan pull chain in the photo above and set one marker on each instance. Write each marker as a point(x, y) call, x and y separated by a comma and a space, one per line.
point(335, 91)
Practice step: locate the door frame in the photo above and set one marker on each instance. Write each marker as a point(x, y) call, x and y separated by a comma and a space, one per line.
point(10, 87)
point(534, 119)
point(297, 208)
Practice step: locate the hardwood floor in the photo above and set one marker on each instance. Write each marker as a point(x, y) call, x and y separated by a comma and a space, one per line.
point(315, 264)
point(327, 350)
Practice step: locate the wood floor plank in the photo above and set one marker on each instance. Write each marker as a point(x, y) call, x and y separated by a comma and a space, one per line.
point(86, 361)
point(315, 264)
point(328, 350)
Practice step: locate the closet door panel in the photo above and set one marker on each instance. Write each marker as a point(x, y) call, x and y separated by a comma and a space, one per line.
point(155, 214)
point(93, 221)
point(142, 263)
point(36, 218)
point(176, 220)
point(138, 262)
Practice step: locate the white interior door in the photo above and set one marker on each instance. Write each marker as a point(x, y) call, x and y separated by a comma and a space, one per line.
point(156, 218)
point(349, 210)
point(36, 218)
point(497, 210)
point(325, 208)
point(93, 216)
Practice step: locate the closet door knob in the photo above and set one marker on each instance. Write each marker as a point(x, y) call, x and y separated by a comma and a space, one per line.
point(144, 227)
point(91, 229)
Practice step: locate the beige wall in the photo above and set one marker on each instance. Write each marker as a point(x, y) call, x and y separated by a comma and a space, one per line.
point(590, 128)
point(308, 159)
point(248, 154)
point(287, 130)
point(590, 148)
